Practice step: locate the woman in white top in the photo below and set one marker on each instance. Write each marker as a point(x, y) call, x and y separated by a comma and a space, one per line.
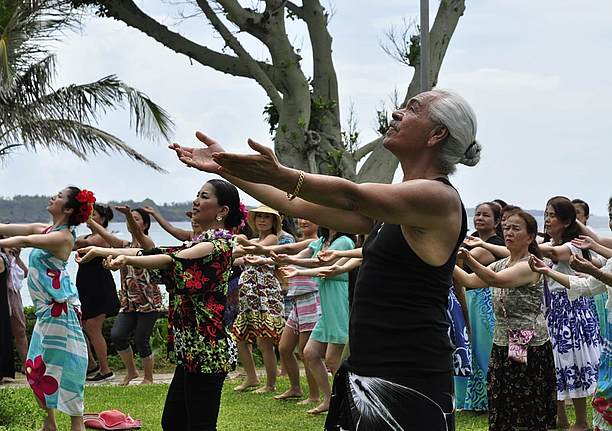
point(573, 328)
point(599, 281)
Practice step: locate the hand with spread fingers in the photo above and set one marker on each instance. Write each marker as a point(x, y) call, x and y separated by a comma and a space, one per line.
point(199, 158)
point(330, 271)
point(472, 241)
point(583, 242)
point(538, 265)
point(580, 264)
point(123, 209)
point(288, 271)
point(327, 256)
point(281, 259)
point(256, 168)
point(256, 260)
point(86, 254)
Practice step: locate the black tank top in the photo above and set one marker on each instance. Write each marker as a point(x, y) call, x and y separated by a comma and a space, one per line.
point(398, 325)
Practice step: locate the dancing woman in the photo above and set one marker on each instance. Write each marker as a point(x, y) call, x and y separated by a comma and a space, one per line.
point(471, 392)
point(519, 394)
point(196, 275)
point(98, 296)
point(140, 298)
point(599, 281)
point(57, 357)
point(573, 328)
point(400, 368)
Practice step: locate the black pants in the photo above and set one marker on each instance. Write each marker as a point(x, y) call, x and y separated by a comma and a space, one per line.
point(141, 325)
point(193, 400)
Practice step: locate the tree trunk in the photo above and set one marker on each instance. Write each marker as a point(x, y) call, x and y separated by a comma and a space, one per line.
point(383, 164)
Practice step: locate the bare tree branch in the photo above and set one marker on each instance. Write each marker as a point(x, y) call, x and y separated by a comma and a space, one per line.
point(256, 72)
point(128, 12)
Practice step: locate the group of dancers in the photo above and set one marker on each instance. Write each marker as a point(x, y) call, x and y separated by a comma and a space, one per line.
point(419, 312)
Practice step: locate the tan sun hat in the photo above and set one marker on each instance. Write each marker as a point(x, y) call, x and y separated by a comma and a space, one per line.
point(266, 210)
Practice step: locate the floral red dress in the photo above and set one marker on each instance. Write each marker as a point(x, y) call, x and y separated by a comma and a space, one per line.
point(197, 288)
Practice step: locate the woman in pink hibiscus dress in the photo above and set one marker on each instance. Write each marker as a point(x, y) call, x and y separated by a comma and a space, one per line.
point(57, 358)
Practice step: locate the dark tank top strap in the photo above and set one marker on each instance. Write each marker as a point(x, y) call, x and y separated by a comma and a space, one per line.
point(464, 222)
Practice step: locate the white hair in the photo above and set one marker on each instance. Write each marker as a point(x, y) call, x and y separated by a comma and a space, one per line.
point(454, 112)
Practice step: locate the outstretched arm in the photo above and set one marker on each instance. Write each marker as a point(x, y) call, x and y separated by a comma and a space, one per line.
point(178, 233)
point(22, 229)
point(111, 239)
point(139, 235)
point(517, 275)
point(55, 242)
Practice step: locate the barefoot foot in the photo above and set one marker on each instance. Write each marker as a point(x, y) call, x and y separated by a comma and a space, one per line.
point(244, 386)
point(321, 408)
point(289, 393)
point(265, 390)
point(308, 401)
point(146, 382)
point(128, 378)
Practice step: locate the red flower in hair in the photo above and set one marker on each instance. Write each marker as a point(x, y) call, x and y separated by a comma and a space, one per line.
point(87, 199)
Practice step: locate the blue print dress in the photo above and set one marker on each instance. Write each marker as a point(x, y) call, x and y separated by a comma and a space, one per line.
point(57, 358)
point(602, 399)
point(574, 333)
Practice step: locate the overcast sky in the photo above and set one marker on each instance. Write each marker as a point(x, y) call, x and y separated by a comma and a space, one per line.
point(538, 74)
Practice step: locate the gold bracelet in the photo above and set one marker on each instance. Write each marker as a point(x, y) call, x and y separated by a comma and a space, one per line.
point(298, 187)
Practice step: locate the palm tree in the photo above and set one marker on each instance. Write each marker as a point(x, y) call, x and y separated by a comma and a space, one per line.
point(35, 115)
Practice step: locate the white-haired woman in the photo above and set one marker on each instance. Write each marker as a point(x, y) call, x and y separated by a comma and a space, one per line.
point(400, 370)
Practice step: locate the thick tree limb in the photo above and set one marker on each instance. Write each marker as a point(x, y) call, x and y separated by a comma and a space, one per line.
point(129, 13)
point(381, 165)
point(256, 72)
point(366, 149)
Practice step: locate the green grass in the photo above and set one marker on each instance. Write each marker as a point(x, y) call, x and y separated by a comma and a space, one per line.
point(239, 411)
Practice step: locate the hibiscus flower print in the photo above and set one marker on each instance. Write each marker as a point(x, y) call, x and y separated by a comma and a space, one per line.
point(55, 277)
point(40, 383)
point(193, 279)
point(58, 307)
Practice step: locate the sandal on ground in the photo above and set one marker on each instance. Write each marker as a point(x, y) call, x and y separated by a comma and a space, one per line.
point(101, 377)
point(93, 370)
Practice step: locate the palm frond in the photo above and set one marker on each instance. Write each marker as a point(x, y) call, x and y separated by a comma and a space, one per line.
point(82, 140)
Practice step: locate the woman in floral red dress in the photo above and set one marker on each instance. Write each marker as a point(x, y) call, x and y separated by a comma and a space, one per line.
point(57, 357)
point(196, 276)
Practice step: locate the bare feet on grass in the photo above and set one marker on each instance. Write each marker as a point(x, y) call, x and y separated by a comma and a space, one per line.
point(289, 393)
point(321, 408)
point(308, 401)
point(265, 389)
point(245, 386)
point(128, 378)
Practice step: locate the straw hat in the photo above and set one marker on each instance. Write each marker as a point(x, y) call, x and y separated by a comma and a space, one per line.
point(266, 210)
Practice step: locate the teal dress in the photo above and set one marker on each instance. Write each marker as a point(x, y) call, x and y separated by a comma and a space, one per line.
point(57, 359)
point(332, 326)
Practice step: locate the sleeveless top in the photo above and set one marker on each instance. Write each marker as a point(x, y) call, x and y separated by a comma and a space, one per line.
point(398, 325)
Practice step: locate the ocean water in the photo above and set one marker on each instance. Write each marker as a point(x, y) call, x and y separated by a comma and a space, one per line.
point(160, 237)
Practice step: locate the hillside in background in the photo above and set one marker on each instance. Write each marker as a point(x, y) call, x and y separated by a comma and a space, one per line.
point(29, 209)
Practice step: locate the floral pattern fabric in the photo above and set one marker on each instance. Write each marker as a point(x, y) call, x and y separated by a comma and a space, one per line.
point(458, 333)
point(574, 333)
point(261, 308)
point(522, 395)
point(138, 292)
point(198, 338)
point(57, 358)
